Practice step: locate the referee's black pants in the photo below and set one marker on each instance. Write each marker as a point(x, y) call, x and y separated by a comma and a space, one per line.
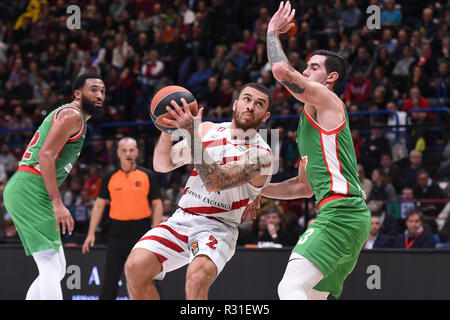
point(122, 237)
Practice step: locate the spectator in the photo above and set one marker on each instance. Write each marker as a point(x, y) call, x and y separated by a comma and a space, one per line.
point(237, 56)
point(402, 70)
point(198, 81)
point(417, 101)
point(391, 170)
point(268, 81)
point(224, 98)
point(15, 75)
point(151, 73)
point(427, 60)
point(410, 172)
point(7, 160)
point(390, 16)
point(143, 22)
point(383, 58)
point(424, 189)
point(396, 118)
point(275, 232)
point(427, 27)
point(248, 44)
point(187, 14)
point(142, 45)
point(402, 42)
point(382, 188)
point(442, 84)
point(376, 239)
point(116, 8)
point(260, 25)
point(366, 183)
point(421, 81)
point(444, 166)
point(92, 184)
point(373, 147)
point(350, 17)
point(121, 53)
point(415, 235)
point(329, 17)
point(363, 62)
point(407, 201)
point(210, 97)
point(388, 42)
point(389, 225)
point(218, 63)
point(358, 89)
point(257, 230)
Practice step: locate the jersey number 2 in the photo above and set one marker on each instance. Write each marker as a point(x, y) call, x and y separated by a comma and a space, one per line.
point(27, 155)
point(213, 242)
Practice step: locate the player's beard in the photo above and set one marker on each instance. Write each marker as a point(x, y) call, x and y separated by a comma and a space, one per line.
point(90, 108)
point(246, 124)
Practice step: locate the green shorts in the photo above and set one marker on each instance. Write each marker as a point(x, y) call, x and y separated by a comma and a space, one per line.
point(334, 240)
point(26, 200)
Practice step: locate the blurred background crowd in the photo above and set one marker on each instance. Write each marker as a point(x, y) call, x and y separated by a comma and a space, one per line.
point(396, 91)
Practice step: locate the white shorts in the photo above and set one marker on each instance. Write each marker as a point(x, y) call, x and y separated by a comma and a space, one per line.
point(184, 236)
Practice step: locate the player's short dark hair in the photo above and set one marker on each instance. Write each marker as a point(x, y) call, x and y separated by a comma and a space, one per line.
point(258, 87)
point(79, 82)
point(334, 62)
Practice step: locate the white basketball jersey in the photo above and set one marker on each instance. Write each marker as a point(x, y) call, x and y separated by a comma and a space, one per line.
point(226, 205)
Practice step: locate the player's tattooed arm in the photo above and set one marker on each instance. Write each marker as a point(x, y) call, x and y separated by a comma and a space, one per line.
point(276, 55)
point(275, 52)
point(253, 165)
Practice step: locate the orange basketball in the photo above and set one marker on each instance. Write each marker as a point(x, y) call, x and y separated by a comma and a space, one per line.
point(162, 99)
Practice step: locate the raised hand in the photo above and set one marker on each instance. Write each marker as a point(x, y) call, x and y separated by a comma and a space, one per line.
point(281, 20)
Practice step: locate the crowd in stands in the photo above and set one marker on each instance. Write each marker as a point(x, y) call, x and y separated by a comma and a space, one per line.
point(213, 47)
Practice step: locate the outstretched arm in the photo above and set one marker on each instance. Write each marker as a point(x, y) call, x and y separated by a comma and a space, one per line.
point(297, 187)
point(310, 92)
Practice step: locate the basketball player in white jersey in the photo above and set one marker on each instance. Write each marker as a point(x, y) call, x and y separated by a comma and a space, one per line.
point(203, 230)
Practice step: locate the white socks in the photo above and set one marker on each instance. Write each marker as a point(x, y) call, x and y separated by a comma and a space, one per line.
point(52, 268)
point(300, 277)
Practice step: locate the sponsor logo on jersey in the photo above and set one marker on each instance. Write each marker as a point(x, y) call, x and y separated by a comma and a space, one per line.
point(68, 167)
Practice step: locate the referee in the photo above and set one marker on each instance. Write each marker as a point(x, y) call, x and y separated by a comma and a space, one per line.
point(132, 192)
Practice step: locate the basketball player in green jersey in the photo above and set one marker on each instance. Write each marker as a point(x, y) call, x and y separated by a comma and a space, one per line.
point(328, 250)
point(32, 197)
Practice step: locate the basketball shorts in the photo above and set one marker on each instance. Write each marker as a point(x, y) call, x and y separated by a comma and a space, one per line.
point(334, 240)
point(26, 200)
point(185, 236)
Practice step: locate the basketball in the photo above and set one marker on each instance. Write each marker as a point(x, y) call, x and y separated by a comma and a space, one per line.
point(162, 99)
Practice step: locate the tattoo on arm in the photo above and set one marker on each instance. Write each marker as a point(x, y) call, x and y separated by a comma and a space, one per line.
point(232, 174)
point(293, 87)
point(274, 50)
point(275, 54)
